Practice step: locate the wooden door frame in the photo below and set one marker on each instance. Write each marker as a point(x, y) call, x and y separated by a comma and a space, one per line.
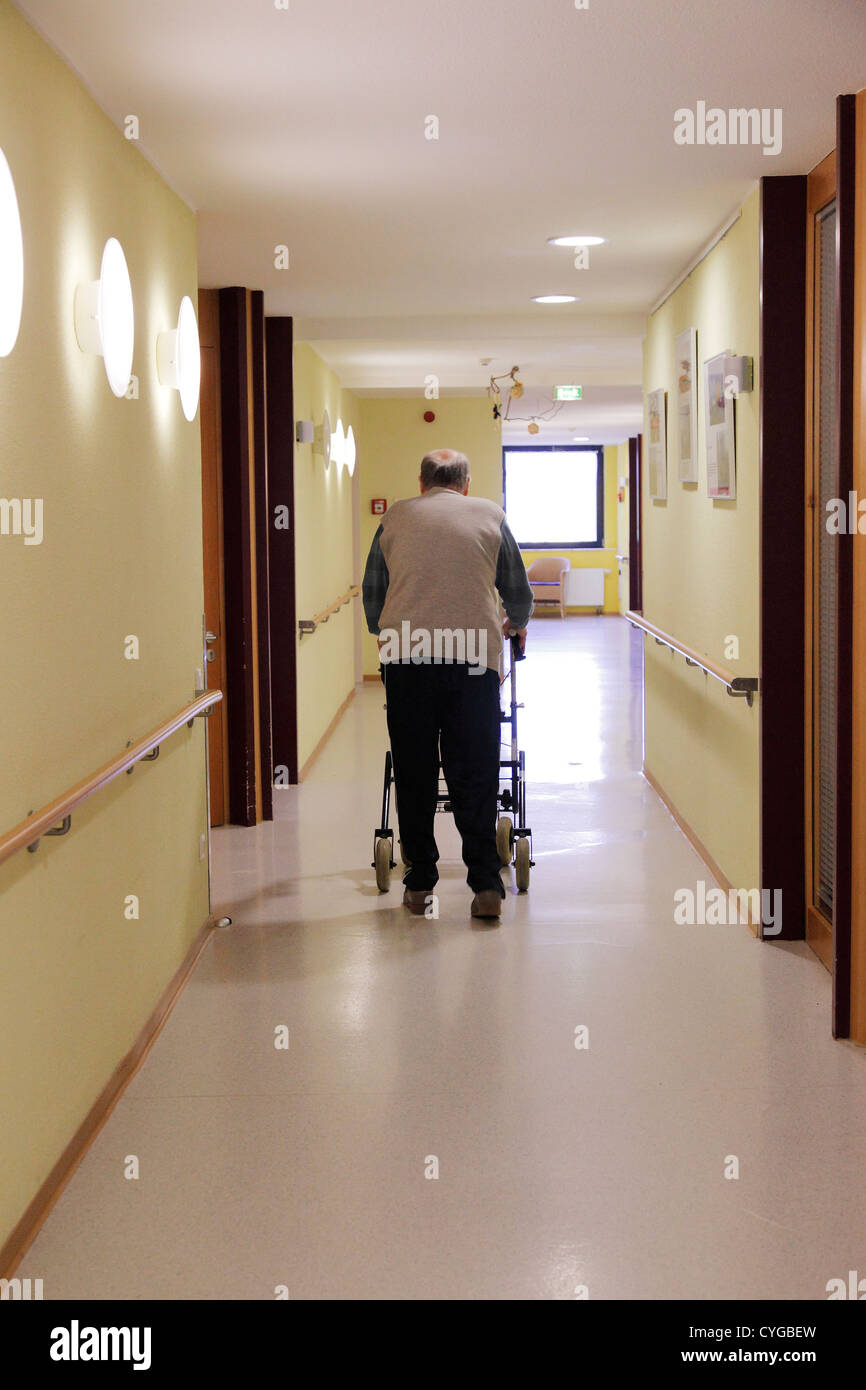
point(821, 190)
point(239, 646)
point(262, 530)
point(635, 529)
point(281, 490)
point(857, 956)
point(218, 809)
point(846, 153)
point(781, 452)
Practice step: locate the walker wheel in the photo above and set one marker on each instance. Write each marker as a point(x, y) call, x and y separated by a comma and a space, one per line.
point(521, 864)
point(505, 839)
point(383, 864)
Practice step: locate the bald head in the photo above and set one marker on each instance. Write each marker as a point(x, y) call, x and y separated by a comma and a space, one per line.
point(445, 468)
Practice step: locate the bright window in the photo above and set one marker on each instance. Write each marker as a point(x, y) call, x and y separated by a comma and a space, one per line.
point(554, 497)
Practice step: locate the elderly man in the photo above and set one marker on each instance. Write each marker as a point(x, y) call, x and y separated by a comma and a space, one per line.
point(429, 591)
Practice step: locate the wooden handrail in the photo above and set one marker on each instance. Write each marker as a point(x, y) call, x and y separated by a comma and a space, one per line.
point(310, 624)
point(736, 685)
point(29, 831)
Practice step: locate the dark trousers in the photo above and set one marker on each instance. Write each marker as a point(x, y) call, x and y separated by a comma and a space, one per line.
point(445, 712)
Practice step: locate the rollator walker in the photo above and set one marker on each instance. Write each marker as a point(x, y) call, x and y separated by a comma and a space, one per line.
point(513, 841)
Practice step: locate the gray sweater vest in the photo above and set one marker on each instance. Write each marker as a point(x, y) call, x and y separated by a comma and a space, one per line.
point(441, 549)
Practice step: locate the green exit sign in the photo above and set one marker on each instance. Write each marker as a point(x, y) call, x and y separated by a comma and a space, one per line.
point(568, 393)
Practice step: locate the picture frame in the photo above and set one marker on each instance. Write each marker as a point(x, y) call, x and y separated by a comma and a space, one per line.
point(687, 405)
point(656, 429)
point(721, 430)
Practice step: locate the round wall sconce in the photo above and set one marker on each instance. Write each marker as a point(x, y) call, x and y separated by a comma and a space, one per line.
point(338, 447)
point(322, 439)
point(351, 452)
point(11, 261)
point(178, 358)
point(105, 318)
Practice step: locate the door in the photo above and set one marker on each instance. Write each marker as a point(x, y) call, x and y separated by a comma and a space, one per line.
point(212, 547)
point(822, 557)
point(635, 565)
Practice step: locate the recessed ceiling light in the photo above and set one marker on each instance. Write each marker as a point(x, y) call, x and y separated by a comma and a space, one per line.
point(11, 261)
point(554, 299)
point(580, 439)
point(576, 240)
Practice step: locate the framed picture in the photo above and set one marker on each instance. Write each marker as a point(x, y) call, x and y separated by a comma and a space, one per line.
point(721, 439)
point(687, 405)
point(657, 452)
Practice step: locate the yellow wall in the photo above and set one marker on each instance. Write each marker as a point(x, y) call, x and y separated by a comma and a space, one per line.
point(323, 552)
point(701, 577)
point(121, 486)
point(395, 439)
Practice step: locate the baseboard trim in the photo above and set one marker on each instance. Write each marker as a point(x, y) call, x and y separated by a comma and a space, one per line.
point(28, 1227)
point(326, 735)
point(696, 844)
point(373, 678)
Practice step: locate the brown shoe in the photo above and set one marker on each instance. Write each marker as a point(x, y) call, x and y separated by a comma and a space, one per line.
point(487, 904)
point(416, 900)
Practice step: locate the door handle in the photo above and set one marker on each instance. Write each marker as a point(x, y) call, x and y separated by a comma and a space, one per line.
point(210, 637)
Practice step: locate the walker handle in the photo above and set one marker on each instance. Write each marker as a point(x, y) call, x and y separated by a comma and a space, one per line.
point(517, 652)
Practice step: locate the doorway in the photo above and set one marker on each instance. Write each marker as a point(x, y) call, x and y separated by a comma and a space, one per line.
point(212, 550)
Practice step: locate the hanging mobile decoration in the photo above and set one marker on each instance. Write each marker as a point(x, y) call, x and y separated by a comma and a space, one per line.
point(502, 409)
point(514, 392)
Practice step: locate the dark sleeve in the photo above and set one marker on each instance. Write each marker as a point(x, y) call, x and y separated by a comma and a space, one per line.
point(512, 581)
point(375, 585)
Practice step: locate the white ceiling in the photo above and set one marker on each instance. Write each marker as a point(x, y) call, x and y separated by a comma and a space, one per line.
point(407, 256)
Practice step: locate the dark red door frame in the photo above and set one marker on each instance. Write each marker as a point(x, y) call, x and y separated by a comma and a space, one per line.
point(281, 493)
point(635, 538)
point(782, 454)
point(846, 137)
point(262, 532)
point(240, 702)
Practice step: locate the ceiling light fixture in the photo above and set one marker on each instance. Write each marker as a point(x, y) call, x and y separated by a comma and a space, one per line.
point(554, 299)
point(580, 439)
point(576, 240)
point(11, 261)
point(178, 358)
point(105, 318)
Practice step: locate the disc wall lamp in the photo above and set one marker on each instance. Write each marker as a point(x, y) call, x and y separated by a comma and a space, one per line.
point(351, 452)
point(11, 261)
point(322, 439)
point(178, 358)
point(105, 318)
point(338, 447)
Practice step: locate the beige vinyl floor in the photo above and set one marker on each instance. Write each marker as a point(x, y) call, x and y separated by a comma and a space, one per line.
point(560, 1169)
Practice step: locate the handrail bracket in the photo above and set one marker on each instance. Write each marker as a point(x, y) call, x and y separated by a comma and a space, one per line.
point(62, 829)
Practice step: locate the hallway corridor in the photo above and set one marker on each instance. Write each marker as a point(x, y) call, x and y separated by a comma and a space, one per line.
point(558, 1167)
